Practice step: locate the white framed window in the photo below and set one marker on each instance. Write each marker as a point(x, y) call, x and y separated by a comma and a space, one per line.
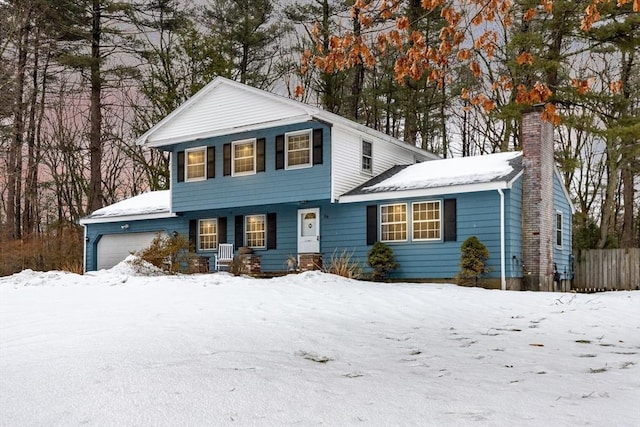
point(207, 234)
point(298, 149)
point(426, 220)
point(559, 229)
point(255, 231)
point(196, 164)
point(393, 222)
point(243, 159)
point(367, 157)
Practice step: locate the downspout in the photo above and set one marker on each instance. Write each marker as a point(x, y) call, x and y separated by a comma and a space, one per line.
point(503, 279)
point(84, 253)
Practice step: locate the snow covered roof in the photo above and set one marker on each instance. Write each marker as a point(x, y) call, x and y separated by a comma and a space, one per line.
point(455, 175)
point(154, 204)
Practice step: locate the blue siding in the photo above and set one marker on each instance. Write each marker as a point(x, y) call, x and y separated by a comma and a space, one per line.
point(271, 186)
point(343, 227)
point(562, 254)
point(478, 214)
point(513, 209)
point(96, 231)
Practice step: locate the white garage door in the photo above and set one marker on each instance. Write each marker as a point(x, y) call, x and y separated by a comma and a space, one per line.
point(113, 248)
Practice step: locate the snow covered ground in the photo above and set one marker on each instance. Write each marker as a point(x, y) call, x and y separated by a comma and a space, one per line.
point(116, 348)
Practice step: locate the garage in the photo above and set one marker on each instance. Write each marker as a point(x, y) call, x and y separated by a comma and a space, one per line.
point(113, 248)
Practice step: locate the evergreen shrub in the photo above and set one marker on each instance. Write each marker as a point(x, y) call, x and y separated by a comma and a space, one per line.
point(382, 260)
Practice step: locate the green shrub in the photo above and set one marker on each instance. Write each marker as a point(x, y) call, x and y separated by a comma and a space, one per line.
point(382, 260)
point(474, 255)
point(344, 265)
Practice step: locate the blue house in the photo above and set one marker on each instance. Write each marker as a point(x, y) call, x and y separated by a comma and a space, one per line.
point(284, 178)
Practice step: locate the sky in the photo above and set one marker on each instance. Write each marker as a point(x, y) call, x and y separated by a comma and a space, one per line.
point(132, 347)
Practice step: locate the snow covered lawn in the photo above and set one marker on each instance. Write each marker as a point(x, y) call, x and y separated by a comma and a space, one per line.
point(114, 348)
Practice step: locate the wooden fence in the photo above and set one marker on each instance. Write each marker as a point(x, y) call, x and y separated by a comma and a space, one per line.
point(606, 270)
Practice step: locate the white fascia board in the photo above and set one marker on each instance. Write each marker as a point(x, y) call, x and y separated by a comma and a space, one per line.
point(515, 178)
point(344, 123)
point(228, 131)
point(107, 219)
point(564, 189)
point(142, 140)
point(425, 192)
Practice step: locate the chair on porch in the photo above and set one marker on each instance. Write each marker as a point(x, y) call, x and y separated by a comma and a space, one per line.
point(224, 257)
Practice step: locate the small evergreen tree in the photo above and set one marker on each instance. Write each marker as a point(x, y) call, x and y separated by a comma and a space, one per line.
point(382, 260)
point(472, 261)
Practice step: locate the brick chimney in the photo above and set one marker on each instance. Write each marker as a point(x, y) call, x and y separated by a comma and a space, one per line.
point(537, 201)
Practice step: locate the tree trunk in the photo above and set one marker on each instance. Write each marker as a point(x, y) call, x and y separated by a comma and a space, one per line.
point(628, 224)
point(31, 185)
point(14, 181)
point(95, 138)
point(609, 203)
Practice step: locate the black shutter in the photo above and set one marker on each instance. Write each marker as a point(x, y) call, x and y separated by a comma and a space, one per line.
point(450, 223)
point(271, 230)
point(317, 146)
point(222, 229)
point(193, 234)
point(280, 152)
point(180, 166)
point(226, 154)
point(239, 231)
point(372, 224)
point(211, 162)
point(260, 163)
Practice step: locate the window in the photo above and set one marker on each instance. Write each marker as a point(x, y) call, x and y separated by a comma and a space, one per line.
point(196, 160)
point(559, 229)
point(255, 231)
point(367, 160)
point(244, 157)
point(207, 234)
point(393, 223)
point(426, 220)
point(298, 149)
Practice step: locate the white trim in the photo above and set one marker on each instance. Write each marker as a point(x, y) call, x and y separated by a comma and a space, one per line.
point(362, 155)
point(339, 121)
point(233, 156)
point(105, 219)
point(503, 279)
point(564, 189)
point(425, 192)
point(226, 131)
point(198, 234)
point(186, 164)
point(84, 254)
point(555, 230)
point(245, 241)
point(440, 209)
point(309, 133)
point(406, 222)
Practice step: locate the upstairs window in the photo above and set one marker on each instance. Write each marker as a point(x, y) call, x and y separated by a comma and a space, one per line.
point(559, 229)
point(244, 157)
point(367, 159)
point(207, 234)
point(426, 224)
point(393, 223)
point(298, 149)
point(196, 164)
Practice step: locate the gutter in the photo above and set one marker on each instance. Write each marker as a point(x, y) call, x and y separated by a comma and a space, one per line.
point(503, 280)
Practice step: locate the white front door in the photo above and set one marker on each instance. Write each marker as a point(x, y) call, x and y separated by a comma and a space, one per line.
point(308, 231)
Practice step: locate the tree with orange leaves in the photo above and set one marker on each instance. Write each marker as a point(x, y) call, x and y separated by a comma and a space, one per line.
point(422, 57)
